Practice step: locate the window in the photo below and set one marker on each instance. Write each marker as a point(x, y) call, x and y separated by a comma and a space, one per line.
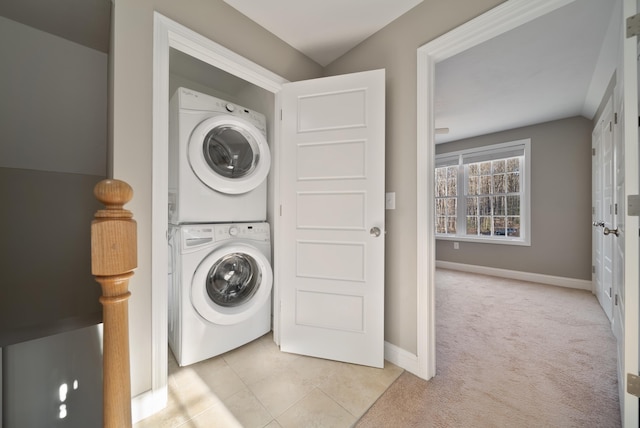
point(482, 194)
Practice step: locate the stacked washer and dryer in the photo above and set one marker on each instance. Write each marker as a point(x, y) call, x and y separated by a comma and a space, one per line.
point(220, 275)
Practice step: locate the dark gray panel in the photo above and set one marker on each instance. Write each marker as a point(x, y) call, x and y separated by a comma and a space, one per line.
point(45, 254)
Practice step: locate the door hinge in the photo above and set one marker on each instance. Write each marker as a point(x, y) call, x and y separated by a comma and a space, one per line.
point(633, 25)
point(280, 114)
point(615, 118)
point(593, 269)
point(633, 384)
point(615, 300)
point(615, 209)
point(610, 126)
point(610, 290)
point(633, 205)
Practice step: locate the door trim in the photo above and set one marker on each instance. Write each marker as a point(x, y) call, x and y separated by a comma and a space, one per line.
point(498, 20)
point(632, 223)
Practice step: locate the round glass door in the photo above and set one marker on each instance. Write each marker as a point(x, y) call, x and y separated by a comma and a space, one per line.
point(231, 284)
point(230, 151)
point(229, 155)
point(233, 280)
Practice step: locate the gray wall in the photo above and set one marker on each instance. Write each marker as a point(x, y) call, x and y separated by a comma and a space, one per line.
point(560, 203)
point(53, 122)
point(35, 370)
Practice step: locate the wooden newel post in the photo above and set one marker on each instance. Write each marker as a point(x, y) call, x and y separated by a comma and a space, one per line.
point(113, 258)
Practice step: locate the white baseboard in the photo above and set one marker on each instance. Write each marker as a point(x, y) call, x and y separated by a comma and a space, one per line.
point(401, 358)
point(580, 284)
point(148, 403)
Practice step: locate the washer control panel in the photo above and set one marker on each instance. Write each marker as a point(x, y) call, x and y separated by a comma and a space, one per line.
point(193, 100)
point(198, 235)
point(251, 231)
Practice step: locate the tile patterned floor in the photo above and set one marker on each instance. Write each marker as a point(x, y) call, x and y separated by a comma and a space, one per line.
point(259, 386)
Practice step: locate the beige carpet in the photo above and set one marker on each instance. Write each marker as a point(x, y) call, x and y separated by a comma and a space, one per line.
point(509, 354)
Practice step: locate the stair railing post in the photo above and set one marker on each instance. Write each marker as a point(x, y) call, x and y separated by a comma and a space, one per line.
point(113, 259)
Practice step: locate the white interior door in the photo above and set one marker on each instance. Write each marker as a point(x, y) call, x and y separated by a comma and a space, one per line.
point(602, 195)
point(332, 218)
point(616, 241)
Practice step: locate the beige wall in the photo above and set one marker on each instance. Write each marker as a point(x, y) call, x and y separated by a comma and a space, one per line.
point(395, 49)
point(132, 77)
point(560, 203)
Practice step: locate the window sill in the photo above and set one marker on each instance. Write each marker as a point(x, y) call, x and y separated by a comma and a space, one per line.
point(499, 241)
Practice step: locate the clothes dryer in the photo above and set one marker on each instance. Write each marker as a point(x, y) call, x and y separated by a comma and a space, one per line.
point(220, 289)
point(219, 160)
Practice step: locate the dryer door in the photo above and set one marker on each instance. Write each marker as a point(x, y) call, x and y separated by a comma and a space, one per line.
point(231, 284)
point(228, 154)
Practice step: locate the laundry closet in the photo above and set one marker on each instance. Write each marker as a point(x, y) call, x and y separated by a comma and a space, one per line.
point(219, 203)
point(325, 207)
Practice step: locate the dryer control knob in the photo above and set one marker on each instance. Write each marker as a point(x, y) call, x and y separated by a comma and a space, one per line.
point(233, 231)
point(230, 107)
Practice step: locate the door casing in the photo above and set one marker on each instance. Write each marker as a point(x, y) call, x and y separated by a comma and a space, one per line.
point(498, 20)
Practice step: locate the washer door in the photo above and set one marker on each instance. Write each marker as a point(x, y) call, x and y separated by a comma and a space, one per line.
point(229, 154)
point(231, 284)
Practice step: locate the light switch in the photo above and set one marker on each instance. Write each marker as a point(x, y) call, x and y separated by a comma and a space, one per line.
point(390, 200)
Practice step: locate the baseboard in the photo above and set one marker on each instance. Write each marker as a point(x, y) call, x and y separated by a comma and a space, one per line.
point(148, 403)
point(401, 358)
point(580, 284)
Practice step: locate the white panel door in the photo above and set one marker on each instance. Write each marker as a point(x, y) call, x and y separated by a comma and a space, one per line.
point(602, 197)
point(608, 207)
point(332, 218)
point(617, 244)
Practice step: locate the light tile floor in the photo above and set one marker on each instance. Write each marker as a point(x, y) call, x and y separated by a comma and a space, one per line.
point(256, 385)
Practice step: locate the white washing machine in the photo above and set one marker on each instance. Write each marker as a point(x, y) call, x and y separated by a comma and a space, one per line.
point(219, 160)
point(220, 288)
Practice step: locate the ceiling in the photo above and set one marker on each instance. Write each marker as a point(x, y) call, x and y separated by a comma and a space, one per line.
point(323, 30)
point(550, 68)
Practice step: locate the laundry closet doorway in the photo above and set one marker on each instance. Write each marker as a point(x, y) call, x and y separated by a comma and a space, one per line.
point(172, 39)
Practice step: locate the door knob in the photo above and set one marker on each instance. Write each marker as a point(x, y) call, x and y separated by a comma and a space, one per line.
point(608, 231)
point(375, 231)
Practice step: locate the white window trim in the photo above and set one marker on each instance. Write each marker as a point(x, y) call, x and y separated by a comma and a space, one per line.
point(525, 202)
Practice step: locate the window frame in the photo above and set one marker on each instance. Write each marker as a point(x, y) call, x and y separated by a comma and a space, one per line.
point(445, 159)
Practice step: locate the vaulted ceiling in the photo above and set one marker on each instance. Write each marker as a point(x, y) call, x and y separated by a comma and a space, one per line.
point(554, 67)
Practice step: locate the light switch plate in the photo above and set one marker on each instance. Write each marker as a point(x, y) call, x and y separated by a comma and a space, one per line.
point(633, 205)
point(390, 200)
